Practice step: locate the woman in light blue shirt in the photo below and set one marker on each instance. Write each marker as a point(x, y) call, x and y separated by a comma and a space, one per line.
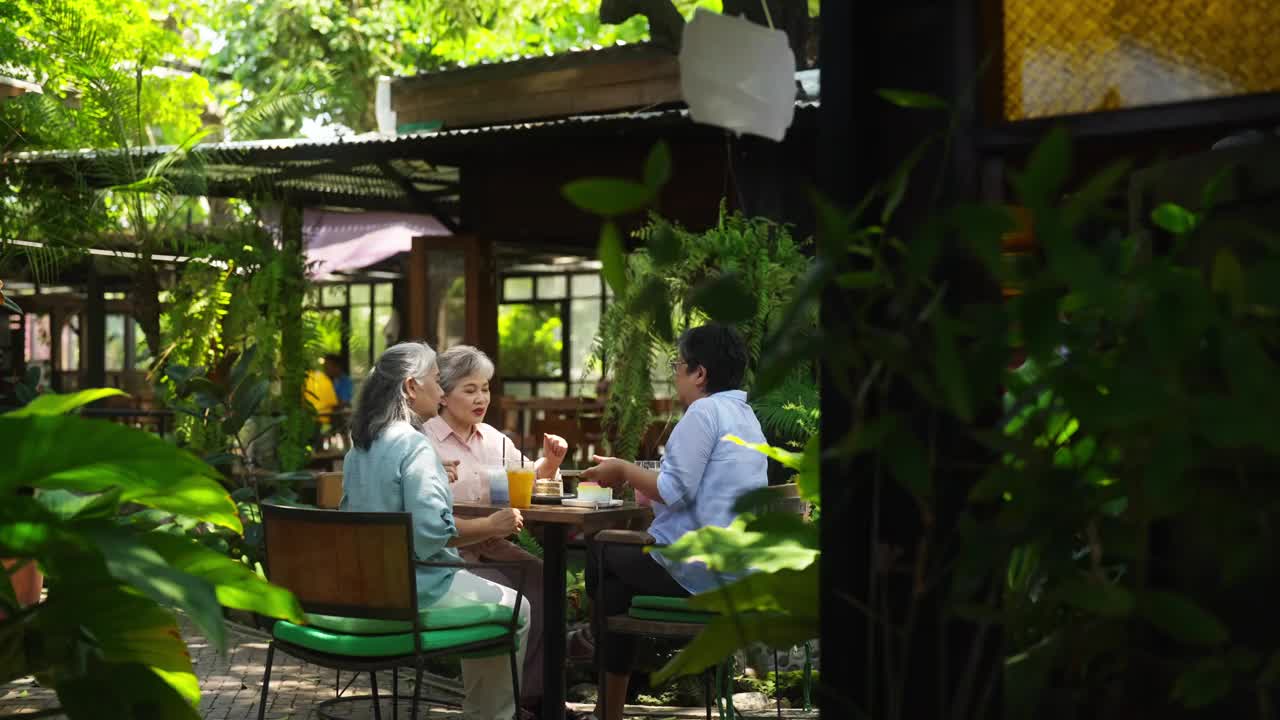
point(392, 467)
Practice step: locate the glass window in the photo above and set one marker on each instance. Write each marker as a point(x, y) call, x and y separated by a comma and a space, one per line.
point(382, 316)
point(141, 351)
point(551, 287)
point(382, 294)
point(529, 340)
point(446, 298)
point(585, 320)
point(327, 328)
point(39, 348)
point(550, 390)
point(583, 389)
point(115, 342)
point(517, 288)
point(360, 341)
point(1074, 57)
point(71, 343)
point(585, 285)
point(333, 295)
point(517, 389)
point(359, 294)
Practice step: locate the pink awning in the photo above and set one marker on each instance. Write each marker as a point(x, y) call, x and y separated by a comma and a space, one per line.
point(344, 242)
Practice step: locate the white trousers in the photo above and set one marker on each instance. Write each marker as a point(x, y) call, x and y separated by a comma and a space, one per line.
point(487, 681)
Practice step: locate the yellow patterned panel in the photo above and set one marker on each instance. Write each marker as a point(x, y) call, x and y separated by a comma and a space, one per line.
point(1073, 56)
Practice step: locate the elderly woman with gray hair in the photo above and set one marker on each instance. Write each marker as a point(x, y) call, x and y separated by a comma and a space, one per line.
point(392, 467)
point(461, 435)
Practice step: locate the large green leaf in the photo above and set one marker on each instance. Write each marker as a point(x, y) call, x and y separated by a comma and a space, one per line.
point(1181, 618)
point(1174, 218)
point(55, 404)
point(236, 585)
point(664, 246)
point(740, 547)
point(74, 453)
point(134, 562)
point(128, 628)
point(124, 691)
point(1203, 684)
point(608, 197)
point(1097, 597)
point(657, 166)
point(68, 505)
point(913, 99)
point(726, 298)
point(613, 257)
point(789, 459)
point(1047, 170)
point(790, 591)
point(725, 634)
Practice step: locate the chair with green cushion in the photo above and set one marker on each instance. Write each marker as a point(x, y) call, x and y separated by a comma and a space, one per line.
point(673, 618)
point(354, 575)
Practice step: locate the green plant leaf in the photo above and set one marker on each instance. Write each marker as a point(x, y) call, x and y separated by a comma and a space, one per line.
point(901, 179)
point(654, 301)
point(613, 257)
point(664, 246)
point(789, 459)
point(1089, 199)
point(1098, 598)
point(950, 371)
point(67, 505)
point(912, 99)
point(1228, 277)
point(657, 166)
point(235, 584)
point(1205, 683)
point(244, 363)
point(609, 197)
point(9, 304)
point(1047, 171)
point(246, 401)
point(1182, 619)
point(861, 280)
point(736, 548)
point(785, 591)
point(1174, 218)
point(56, 404)
point(725, 298)
point(725, 634)
point(127, 691)
point(146, 469)
point(133, 562)
point(908, 461)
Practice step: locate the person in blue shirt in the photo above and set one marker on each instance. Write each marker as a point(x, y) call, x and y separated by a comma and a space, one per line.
point(393, 467)
point(335, 366)
point(700, 479)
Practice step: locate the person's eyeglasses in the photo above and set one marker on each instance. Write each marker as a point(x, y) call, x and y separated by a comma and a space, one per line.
point(675, 365)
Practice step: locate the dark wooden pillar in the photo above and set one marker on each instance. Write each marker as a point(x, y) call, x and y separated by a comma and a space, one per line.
point(298, 427)
point(868, 45)
point(94, 358)
point(416, 320)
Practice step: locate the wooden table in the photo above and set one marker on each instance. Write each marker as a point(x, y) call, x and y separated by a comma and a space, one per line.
point(556, 521)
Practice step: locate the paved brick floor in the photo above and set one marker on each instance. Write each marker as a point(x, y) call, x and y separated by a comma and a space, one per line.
point(231, 685)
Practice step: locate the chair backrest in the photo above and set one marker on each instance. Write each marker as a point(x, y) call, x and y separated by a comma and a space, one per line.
point(343, 563)
point(568, 429)
point(328, 490)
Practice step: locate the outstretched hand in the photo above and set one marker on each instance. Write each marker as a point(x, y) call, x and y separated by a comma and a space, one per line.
point(608, 471)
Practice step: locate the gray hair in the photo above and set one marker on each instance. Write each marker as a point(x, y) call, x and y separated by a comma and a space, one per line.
point(382, 399)
point(460, 362)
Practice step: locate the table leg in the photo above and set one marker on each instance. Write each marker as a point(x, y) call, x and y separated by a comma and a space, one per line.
point(553, 622)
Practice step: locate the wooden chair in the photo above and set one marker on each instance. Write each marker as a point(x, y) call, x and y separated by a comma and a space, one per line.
point(328, 490)
point(673, 618)
point(354, 575)
point(568, 429)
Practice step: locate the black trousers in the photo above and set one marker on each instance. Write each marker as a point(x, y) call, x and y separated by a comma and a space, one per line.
point(628, 571)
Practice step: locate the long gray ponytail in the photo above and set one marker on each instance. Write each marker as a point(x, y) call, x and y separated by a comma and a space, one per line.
point(382, 399)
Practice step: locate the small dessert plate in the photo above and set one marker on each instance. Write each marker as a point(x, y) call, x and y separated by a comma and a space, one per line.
point(592, 504)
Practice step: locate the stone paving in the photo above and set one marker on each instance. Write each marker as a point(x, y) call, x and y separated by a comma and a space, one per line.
point(231, 685)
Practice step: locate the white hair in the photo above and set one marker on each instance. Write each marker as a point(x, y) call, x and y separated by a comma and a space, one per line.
point(382, 399)
point(460, 362)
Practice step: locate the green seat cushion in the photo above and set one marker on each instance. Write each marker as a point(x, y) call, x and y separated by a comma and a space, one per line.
point(667, 609)
point(337, 643)
point(431, 619)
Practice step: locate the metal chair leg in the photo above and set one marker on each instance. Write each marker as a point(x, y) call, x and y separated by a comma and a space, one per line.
point(515, 685)
point(777, 684)
point(266, 681)
point(377, 703)
point(707, 697)
point(417, 689)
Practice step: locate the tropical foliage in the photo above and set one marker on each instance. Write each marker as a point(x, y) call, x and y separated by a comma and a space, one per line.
point(106, 637)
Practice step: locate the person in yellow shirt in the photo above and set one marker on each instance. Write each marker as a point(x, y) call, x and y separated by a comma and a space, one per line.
point(320, 393)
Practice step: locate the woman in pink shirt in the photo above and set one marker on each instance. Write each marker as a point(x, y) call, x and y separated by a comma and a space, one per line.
point(461, 435)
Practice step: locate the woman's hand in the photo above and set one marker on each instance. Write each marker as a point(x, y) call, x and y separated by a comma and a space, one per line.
point(507, 521)
point(554, 449)
point(608, 471)
point(451, 470)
